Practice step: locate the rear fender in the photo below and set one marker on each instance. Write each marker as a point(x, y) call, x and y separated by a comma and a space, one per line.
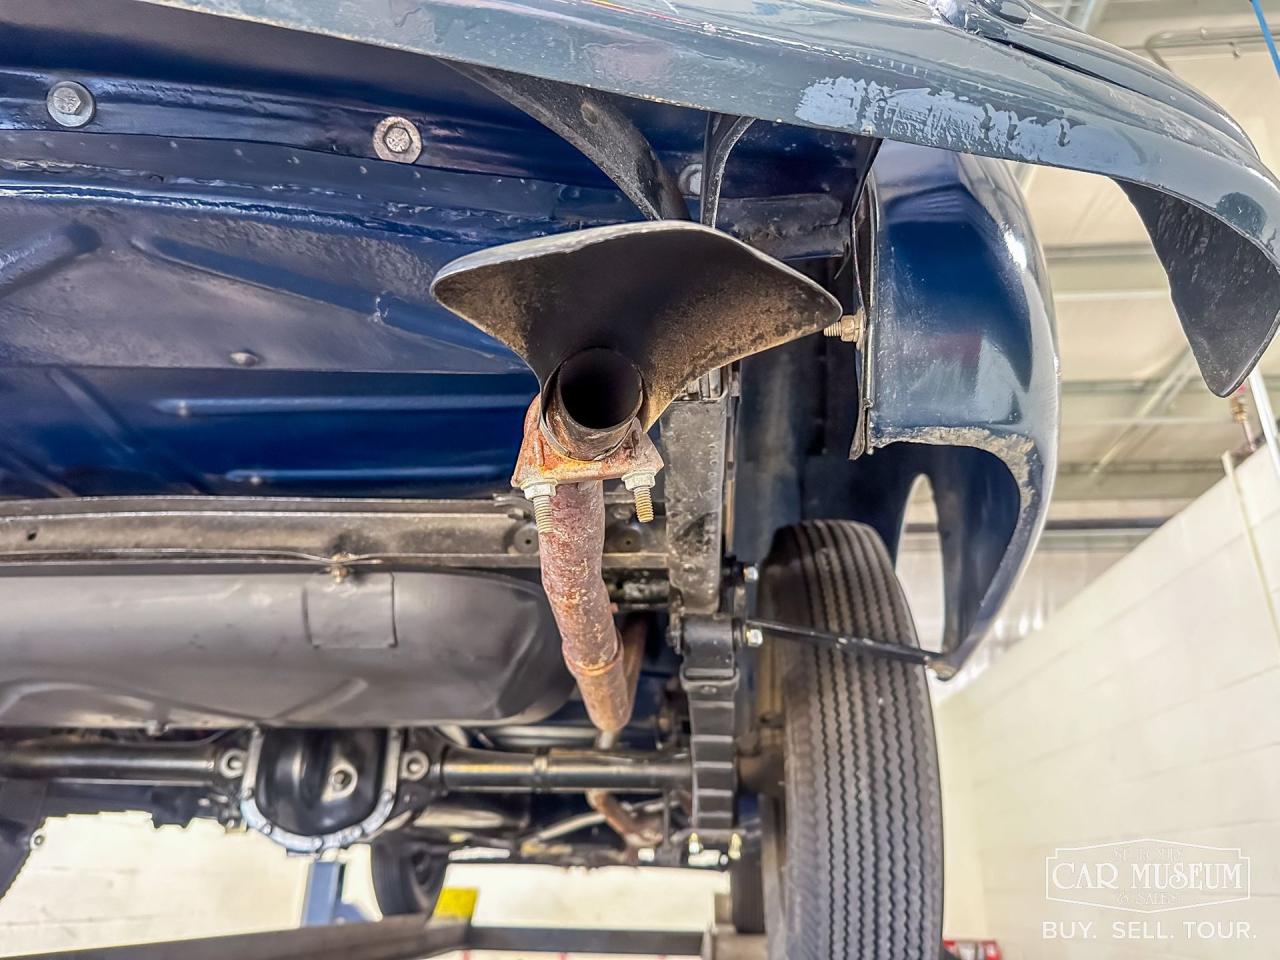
point(960, 375)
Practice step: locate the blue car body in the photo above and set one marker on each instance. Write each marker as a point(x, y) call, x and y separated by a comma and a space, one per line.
point(216, 287)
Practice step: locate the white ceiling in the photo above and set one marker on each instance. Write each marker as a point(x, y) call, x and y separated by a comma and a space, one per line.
point(1076, 209)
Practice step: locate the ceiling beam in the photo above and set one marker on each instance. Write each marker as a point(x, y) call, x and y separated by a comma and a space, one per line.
point(1156, 401)
point(1105, 272)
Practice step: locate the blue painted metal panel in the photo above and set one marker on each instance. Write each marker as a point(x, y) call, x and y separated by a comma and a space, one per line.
point(217, 287)
point(962, 368)
point(146, 350)
point(1005, 80)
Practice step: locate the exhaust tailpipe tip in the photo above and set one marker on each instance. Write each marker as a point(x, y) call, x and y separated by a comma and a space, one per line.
point(589, 403)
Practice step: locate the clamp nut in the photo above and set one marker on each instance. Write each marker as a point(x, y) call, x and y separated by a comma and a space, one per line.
point(848, 328)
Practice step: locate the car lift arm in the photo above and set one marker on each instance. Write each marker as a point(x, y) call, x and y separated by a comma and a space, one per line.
point(398, 938)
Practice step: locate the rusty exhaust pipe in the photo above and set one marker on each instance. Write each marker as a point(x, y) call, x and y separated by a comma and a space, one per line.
point(571, 575)
point(579, 433)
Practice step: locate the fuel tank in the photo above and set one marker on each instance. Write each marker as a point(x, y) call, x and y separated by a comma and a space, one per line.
point(288, 649)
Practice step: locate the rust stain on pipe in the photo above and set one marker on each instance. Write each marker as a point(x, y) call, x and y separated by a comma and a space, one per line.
point(571, 575)
point(570, 546)
point(540, 460)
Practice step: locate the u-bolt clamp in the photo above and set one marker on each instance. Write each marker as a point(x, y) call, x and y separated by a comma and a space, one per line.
point(568, 497)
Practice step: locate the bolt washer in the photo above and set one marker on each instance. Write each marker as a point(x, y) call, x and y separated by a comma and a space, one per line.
point(69, 104)
point(397, 139)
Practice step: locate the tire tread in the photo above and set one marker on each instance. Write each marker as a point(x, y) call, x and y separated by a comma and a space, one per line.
point(863, 865)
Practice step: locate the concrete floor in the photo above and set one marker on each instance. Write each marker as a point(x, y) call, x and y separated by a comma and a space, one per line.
point(114, 879)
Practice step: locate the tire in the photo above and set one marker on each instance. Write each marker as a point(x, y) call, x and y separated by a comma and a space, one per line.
point(853, 861)
point(407, 878)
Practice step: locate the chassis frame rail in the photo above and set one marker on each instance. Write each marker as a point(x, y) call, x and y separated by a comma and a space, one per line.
point(398, 938)
point(325, 532)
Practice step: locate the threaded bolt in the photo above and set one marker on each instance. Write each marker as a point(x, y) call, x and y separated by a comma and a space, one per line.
point(644, 504)
point(640, 483)
point(833, 329)
point(540, 494)
point(542, 513)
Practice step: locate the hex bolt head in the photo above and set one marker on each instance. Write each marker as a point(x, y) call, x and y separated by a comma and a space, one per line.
point(848, 328)
point(640, 483)
point(397, 139)
point(539, 494)
point(339, 568)
point(69, 104)
point(754, 637)
point(66, 99)
point(244, 358)
point(695, 844)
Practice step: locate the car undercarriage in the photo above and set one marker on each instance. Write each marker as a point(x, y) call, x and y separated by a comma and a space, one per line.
point(413, 447)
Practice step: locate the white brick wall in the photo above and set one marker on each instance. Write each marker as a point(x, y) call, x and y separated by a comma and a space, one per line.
point(1148, 707)
point(964, 906)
